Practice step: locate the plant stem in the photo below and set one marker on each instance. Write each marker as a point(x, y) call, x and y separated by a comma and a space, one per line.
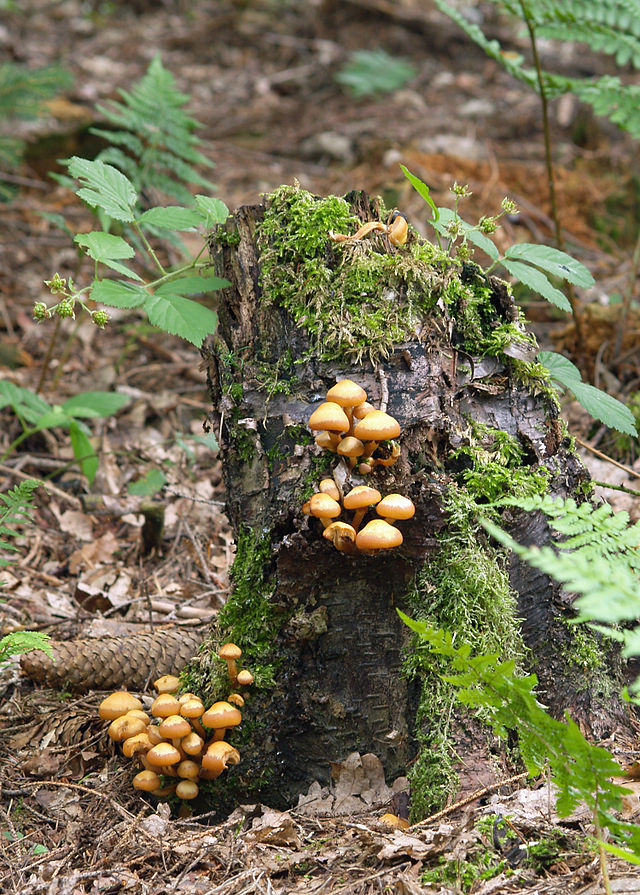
point(551, 181)
point(64, 357)
point(49, 355)
point(604, 868)
point(148, 247)
point(626, 299)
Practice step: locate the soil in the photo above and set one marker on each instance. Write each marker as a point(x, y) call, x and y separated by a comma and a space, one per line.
point(261, 80)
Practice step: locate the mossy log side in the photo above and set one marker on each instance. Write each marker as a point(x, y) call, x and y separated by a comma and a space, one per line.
point(336, 641)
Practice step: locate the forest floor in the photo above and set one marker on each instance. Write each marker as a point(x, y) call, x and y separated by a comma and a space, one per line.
point(261, 80)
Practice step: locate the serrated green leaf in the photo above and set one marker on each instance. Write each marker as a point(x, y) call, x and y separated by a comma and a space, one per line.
point(95, 404)
point(117, 294)
point(22, 401)
point(123, 269)
point(216, 211)
point(560, 367)
point(181, 317)
point(553, 261)
point(599, 404)
point(422, 189)
point(104, 187)
point(537, 281)
point(52, 418)
point(104, 246)
point(83, 451)
point(152, 482)
point(173, 217)
point(192, 286)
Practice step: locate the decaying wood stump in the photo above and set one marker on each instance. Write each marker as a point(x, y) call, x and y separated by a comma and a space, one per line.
point(319, 627)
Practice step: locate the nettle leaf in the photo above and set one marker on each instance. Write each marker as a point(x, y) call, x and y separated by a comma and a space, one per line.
point(599, 404)
point(536, 280)
point(83, 450)
point(422, 189)
point(181, 317)
point(192, 286)
point(103, 186)
point(553, 261)
point(117, 294)
point(215, 210)
point(95, 404)
point(173, 217)
point(23, 402)
point(104, 246)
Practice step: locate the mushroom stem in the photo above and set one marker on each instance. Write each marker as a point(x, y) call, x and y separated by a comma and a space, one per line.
point(358, 516)
point(197, 726)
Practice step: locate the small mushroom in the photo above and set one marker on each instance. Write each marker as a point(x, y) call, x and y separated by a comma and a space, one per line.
point(329, 416)
point(398, 229)
point(328, 486)
point(168, 683)
point(148, 781)
point(244, 678)
point(360, 499)
point(350, 447)
point(188, 769)
point(192, 744)
point(362, 410)
point(327, 440)
point(124, 727)
point(342, 536)
point(220, 716)
point(117, 704)
point(163, 755)
point(378, 535)
point(136, 744)
point(235, 699)
point(348, 394)
point(164, 705)
point(192, 708)
point(375, 427)
point(324, 507)
point(187, 789)
point(395, 822)
point(395, 506)
point(174, 728)
point(216, 759)
point(230, 652)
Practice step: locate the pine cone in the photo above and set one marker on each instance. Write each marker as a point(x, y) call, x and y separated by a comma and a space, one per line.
point(109, 663)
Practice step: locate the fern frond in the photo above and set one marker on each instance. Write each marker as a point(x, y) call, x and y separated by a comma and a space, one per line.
point(23, 91)
point(16, 508)
point(162, 150)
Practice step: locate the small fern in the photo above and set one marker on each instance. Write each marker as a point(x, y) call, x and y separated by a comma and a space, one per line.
point(153, 141)
point(22, 94)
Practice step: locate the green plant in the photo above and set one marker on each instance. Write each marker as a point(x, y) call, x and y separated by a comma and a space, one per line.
point(16, 508)
point(35, 415)
point(581, 771)
point(532, 265)
point(152, 138)
point(597, 558)
point(369, 72)
point(23, 93)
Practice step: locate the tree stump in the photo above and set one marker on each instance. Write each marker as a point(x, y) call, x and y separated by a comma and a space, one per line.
point(442, 346)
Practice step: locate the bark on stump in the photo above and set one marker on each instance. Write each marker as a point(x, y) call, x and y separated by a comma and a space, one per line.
point(338, 639)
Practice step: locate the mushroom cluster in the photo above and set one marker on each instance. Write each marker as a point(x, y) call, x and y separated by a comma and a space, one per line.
point(378, 534)
point(348, 425)
point(396, 230)
point(187, 742)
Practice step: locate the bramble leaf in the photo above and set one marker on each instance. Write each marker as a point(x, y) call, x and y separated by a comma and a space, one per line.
point(83, 450)
point(536, 280)
point(95, 404)
point(422, 189)
point(553, 261)
point(181, 317)
point(172, 217)
point(117, 294)
point(104, 187)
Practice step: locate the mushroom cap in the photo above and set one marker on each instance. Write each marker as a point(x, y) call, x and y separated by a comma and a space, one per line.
point(192, 708)
point(168, 683)
point(236, 698)
point(153, 732)
point(378, 535)
point(328, 486)
point(341, 534)
point(361, 496)
point(187, 789)
point(329, 416)
point(147, 781)
point(326, 440)
point(124, 727)
point(175, 727)
point(221, 714)
point(218, 756)
point(117, 704)
point(346, 393)
point(377, 426)
point(188, 769)
point(164, 705)
point(324, 507)
point(138, 743)
point(244, 679)
point(230, 651)
point(396, 506)
point(192, 743)
point(361, 410)
point(350, 446)
point(163, 754)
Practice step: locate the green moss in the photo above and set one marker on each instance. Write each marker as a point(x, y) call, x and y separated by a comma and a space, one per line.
point(465, 588)
point(244, 444)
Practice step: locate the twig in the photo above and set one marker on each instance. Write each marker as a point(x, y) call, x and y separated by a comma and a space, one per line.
point(474, 795)
point(199, 554)
point(384, 389)
point(627, 469)
point(623, 488)
point(8, 470)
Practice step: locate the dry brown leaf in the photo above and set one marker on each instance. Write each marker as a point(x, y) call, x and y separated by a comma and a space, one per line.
point(91, 555)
